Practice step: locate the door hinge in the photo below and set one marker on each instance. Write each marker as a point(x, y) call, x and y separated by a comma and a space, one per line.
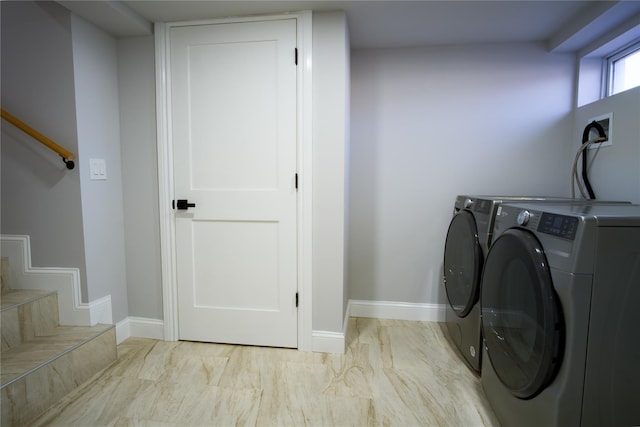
point(296, 56)
point(296, 182)
point(296, 300)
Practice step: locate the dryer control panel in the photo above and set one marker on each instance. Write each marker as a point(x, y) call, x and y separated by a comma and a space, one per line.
point(558, 225)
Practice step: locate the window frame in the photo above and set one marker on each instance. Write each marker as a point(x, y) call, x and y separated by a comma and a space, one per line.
point(608, 65)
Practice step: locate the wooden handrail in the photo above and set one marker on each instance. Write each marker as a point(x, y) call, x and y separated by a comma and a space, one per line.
point(67, 156)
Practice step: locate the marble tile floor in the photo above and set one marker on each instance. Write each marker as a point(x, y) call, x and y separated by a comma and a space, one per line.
point(394, 373)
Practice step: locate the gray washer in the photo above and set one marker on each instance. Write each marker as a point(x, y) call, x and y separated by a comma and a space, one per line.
point(468, 240)
point(560, 315)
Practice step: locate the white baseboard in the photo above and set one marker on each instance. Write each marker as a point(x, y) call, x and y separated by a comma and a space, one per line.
point(65, 281)
point(335, 342)
point(331, 342)
point(100, 311)
point(321, 341)
point(139, 327)
point(397, 310)
point(328, 342)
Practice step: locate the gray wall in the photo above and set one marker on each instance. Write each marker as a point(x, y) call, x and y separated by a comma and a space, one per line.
point(98, 125)
point(40, 197)
point(136, 71)
point(330, 145)
point(614, 173)
point(59, 73)
point(430, 123)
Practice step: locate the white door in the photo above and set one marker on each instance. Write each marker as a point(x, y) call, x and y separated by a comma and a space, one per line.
point(233, 106)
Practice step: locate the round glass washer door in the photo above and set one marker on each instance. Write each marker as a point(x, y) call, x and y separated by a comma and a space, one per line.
point(462, 263)
point(522, 320)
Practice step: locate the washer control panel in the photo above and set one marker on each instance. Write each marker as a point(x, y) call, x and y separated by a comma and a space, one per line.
point(558, 225)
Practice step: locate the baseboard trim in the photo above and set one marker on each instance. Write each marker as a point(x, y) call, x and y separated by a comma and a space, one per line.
point(336, 342)
point(327, 342)
point(331, 342)
point(99, 311)
point(139, 327)
point(322, 341)
point(65, 281)
point(397, 310)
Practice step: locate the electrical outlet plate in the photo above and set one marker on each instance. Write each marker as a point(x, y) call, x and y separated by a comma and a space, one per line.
point(606, 121)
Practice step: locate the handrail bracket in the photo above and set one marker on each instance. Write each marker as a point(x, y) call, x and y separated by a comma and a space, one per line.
point(68, 163)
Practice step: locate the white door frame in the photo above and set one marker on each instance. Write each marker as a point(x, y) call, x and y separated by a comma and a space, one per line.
point(304, 163)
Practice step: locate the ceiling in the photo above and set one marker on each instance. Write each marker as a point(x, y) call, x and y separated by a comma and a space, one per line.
point(566, 26)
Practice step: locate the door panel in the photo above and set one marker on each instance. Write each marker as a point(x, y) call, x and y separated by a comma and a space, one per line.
point(244, 113)
point(233, 97)
point(232, 285)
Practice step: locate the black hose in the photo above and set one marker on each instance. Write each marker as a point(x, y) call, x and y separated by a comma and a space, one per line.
point(585, 138)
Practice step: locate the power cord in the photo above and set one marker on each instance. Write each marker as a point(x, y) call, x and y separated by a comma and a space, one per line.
point(574, 169)
point(586, 190)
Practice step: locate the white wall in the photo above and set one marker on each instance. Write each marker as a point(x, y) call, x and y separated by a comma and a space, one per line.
point(589, 80)
point(96, 89)
point(430, 123)
point(40, 197)
point(330, 142)
point(347, 175)
point(136, 71)
point(615, 171)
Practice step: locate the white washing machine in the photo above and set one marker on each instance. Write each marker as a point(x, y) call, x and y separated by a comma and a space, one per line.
point(560, 303)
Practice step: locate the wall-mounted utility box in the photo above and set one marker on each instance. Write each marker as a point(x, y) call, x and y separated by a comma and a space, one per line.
point(606, 121)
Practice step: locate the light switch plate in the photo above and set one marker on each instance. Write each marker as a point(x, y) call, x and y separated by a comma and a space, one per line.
point(97, 169)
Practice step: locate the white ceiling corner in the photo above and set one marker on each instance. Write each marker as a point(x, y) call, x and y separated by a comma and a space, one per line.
point(564, 25)
point(114, 17)
point(598, 22)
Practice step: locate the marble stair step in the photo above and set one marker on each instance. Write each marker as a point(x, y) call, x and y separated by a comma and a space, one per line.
point(19, 361)
point(38, 373)
point(12, 298)
point(27, 313)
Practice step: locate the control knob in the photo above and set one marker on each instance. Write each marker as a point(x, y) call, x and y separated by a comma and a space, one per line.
point(523, 217)
point(468, 203)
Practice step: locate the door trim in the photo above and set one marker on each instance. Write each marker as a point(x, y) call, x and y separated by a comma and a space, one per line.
point(304, 164)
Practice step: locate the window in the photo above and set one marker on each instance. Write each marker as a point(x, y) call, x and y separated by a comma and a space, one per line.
point(623, 69)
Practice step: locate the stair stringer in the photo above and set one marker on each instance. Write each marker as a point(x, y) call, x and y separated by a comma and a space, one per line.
point(65, 281)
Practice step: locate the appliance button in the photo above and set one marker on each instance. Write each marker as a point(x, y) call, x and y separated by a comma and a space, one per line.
point(523, 217)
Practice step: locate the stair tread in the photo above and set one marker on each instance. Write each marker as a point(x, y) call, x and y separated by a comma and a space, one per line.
point(30, 355)
point(15, 297)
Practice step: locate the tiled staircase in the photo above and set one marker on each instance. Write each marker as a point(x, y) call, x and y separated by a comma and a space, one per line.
point(41, 360)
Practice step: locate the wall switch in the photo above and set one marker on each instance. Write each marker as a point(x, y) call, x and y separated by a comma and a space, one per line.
point(97, 169)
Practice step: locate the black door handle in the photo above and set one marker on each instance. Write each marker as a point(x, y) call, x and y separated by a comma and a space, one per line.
point(184, 204)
